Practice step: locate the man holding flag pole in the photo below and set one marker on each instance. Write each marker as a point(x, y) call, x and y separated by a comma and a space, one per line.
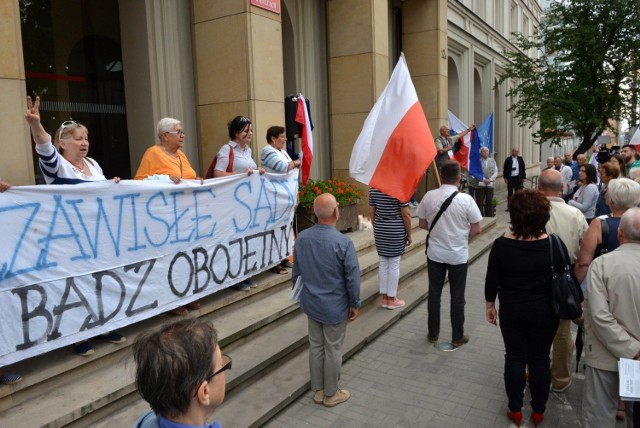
point(445, 142)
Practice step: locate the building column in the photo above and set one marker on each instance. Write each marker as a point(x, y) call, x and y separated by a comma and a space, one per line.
point(237, 52)
point(16, 162)
point(158, 73)
point(424, 41)
point(358, 58)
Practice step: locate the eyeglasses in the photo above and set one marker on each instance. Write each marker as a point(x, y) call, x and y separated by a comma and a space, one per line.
point(226, 365)
point(178, 133)
point(64, 125)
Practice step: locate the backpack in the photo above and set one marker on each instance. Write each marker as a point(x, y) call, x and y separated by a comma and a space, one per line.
point(212, 167)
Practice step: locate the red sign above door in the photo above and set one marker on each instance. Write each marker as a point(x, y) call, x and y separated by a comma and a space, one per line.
point(270, 5)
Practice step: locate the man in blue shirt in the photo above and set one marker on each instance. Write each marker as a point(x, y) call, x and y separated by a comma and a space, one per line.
point(327, 262)
point(180, 373)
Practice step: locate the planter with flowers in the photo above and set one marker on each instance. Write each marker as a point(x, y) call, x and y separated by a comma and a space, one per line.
point(345, 192)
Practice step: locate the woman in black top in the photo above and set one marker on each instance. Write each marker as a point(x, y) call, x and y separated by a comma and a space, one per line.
point(519, 274)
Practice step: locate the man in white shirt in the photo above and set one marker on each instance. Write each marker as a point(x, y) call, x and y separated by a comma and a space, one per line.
point(514, 172)
point(448, 248)
point(566, 173)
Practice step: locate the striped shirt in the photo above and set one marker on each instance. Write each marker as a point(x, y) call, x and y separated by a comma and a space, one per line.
point(388, 226)
point(274, 160)
point(58, 170)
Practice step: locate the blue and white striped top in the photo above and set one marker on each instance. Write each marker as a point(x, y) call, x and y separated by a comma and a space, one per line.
point(58, 170)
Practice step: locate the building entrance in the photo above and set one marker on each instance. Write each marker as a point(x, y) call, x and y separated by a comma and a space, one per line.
point(73, 61)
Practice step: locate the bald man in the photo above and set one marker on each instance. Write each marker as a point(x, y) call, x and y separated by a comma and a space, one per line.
point(570, 225)
point(327, 262)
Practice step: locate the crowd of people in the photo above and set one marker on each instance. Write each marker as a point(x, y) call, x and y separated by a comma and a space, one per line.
point(592, 208)
point(518, 276)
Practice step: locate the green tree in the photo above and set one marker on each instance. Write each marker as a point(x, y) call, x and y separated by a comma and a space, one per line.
point(586, 73)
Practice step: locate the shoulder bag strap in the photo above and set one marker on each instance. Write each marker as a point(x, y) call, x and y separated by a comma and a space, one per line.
point(231, 154)
point(563, 255)
point(604, 225)
point(444, 206)
point(551, 235)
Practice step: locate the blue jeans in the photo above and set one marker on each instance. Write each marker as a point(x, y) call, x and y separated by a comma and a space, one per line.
point(457, 284)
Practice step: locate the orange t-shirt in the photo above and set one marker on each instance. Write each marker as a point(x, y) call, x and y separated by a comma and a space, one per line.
point(157, 161)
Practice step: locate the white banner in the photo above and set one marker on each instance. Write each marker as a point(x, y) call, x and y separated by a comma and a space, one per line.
point(77, 261)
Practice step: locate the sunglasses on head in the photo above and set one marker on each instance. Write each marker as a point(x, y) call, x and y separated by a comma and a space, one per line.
point(64, 125)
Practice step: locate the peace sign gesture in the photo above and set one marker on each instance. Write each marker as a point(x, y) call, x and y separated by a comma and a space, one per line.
point(32, 116)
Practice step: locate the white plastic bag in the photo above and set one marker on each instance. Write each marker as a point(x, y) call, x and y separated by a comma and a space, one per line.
point(297, 289)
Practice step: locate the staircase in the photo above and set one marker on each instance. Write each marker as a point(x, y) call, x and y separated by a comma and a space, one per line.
point(264, 332)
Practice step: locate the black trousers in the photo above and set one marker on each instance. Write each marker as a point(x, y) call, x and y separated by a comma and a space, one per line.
point(513, 184)
point(528, 330)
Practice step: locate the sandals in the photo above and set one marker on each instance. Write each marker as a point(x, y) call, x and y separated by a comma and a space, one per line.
point(193, 306)
point(179, 311)
point(279, 270)
point(10, 378)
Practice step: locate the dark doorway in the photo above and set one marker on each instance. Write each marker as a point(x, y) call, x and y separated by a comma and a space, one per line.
point(73, 61)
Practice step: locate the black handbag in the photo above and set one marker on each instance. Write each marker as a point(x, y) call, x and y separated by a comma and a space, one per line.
point(565, 290)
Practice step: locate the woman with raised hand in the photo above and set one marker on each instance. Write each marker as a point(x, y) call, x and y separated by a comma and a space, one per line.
point(63, 160)
point(67, 162)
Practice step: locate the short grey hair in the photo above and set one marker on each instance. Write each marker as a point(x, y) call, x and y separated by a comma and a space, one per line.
point(624, 193)
point(634, 173)
point(484, 148)
point(165, 124)
point(630, 224)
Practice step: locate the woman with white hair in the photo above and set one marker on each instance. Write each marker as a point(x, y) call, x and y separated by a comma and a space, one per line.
point(622, 194)
point(167, 159)
point(166, 156)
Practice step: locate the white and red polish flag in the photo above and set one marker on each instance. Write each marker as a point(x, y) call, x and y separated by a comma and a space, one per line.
point(395, 146)
point(302, 117)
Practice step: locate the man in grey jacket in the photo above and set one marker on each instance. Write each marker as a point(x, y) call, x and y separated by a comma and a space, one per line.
point(327, 262)
point(612, 324)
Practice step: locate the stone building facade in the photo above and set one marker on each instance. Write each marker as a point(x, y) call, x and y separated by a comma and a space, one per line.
point(120, 65)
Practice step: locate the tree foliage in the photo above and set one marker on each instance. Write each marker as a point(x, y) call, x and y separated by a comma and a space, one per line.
point(586, 73)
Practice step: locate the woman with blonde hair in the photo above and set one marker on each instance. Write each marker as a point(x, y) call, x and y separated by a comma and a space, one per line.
point(65, 161)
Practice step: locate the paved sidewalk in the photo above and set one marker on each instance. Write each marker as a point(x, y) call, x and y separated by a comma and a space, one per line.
point(401, 380)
